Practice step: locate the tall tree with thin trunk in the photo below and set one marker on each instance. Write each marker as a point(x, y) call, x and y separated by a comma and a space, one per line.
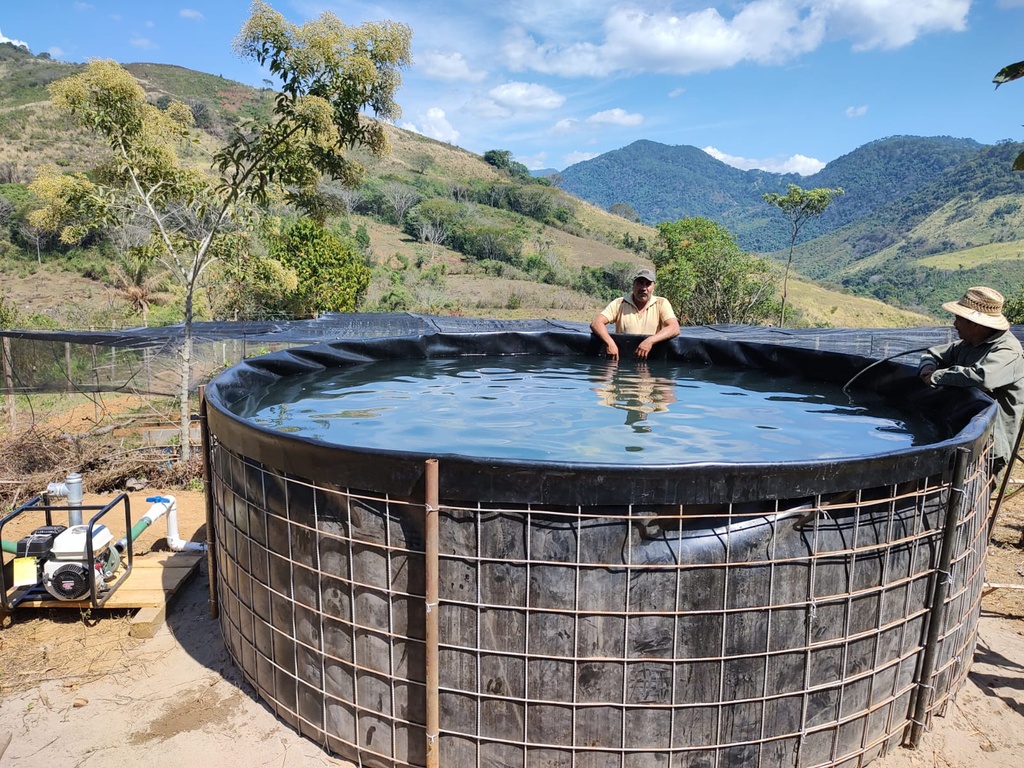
point(800, 205)
point(329, 73)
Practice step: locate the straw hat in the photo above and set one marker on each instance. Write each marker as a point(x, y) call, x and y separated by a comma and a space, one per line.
point(980, 305)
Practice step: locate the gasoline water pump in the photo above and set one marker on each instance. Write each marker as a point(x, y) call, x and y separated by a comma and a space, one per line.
point(65, 557)
point(75, 562)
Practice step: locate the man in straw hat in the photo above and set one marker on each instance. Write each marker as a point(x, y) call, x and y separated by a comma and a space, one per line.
point(641, 312)
point(988, 356)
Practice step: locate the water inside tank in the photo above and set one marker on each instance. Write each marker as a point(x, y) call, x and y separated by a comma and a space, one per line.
point(586, 410)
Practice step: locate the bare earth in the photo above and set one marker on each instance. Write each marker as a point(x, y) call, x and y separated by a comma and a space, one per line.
point(80, 691)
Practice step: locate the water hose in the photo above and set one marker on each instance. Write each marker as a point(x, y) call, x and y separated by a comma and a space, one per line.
point(879, 362)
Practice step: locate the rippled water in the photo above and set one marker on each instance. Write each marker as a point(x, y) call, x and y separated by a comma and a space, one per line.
point(584, 410)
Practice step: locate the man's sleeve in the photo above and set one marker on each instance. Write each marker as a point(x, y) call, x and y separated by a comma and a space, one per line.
point(994, 370)
point(611, 312)
point(665, 311)
point(940, 356)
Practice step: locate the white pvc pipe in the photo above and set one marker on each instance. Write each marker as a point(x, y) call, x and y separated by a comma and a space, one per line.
point(160, 506)
point(174, 542)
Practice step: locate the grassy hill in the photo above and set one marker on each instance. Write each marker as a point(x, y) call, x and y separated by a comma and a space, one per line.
point(558, 248)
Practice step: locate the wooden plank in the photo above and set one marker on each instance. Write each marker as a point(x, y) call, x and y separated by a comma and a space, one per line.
point(152, 583)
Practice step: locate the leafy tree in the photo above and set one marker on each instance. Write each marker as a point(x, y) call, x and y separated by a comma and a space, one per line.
point(1005, 75)
point(800, 205)
point(1014, 309)
point(708, 279)
point(625, 211)
point(329, 73)
point(331, 274)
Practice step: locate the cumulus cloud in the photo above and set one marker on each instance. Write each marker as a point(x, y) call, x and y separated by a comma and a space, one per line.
point(801, 164)
point(20, 43)
point(487, 109)
point(857, 111)
point(566, 125)
point(761, 31)
point(578, 157)
point(530, 96)
point(450, 67)
point(188, 13)
point(616, 117)
point(434, 123)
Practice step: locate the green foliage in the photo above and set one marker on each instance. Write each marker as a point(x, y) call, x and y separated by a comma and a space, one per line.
point(1014, 307)
point(708, 279)
point(502, 160)
point(625, 211)
point(9, 316)
point(1005, 75)
point(331, 274)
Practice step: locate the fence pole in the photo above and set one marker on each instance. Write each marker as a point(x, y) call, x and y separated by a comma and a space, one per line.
point(431, 630)
point(12, 411)
point(937, 608)
point(67, 367)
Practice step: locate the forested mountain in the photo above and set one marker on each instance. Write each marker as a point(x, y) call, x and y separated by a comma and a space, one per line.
point(964, 228)
point(667, 183)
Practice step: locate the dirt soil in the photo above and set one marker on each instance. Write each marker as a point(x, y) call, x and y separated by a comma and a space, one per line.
point(77, 690)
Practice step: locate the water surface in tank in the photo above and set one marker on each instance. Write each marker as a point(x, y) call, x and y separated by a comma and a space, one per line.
point(578, 409)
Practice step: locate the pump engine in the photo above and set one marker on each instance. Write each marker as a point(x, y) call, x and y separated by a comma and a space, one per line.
point(62, 558)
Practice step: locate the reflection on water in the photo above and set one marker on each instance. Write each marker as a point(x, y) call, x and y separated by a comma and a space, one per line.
point(633, 389)
point(583, 410)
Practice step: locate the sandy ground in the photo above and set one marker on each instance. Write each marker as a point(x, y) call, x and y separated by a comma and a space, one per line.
point(80, 691)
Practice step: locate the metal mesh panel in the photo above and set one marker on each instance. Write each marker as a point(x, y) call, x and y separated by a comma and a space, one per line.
point(773, 634)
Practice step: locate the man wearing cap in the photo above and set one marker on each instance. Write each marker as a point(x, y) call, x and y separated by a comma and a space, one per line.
point(988, 356)
point(641, 312)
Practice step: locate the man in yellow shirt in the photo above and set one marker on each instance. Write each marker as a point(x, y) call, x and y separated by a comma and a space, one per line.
point(641, 312)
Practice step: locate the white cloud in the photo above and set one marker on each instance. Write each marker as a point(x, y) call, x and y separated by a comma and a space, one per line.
point(616, 117)
point(566, 125)
point(893, 24)
point(434, 123)
point(535, 162)
point(188, 13)
point(676, 93)
point(516, 95)
point(487, 109)
point(143, 42)
point(578, 157)
point(450, 67)
point(55, 51)
point(857, 111)
point(801, 164)
point(12, 41)
point(761, 31)
point(84, 7)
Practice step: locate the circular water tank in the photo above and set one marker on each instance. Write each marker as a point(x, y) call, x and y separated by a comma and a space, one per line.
point(770, 612)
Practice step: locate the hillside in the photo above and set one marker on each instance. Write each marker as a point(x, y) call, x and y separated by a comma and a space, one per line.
point(666, 183)
point(573, 257)
point(964, 228)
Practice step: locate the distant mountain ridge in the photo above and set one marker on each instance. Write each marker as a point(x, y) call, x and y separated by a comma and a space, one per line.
point(667, 183)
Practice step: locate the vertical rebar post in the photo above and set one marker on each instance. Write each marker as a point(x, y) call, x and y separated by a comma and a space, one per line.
point(431, 630)
point(937, 609)
point(211, 554)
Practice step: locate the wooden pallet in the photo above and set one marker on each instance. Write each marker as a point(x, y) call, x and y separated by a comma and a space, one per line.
point(152, 583)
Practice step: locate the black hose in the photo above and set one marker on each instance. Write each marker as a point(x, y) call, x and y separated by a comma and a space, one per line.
point(878, 362)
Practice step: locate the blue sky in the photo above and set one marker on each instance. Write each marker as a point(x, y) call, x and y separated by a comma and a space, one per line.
point(785, 85)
